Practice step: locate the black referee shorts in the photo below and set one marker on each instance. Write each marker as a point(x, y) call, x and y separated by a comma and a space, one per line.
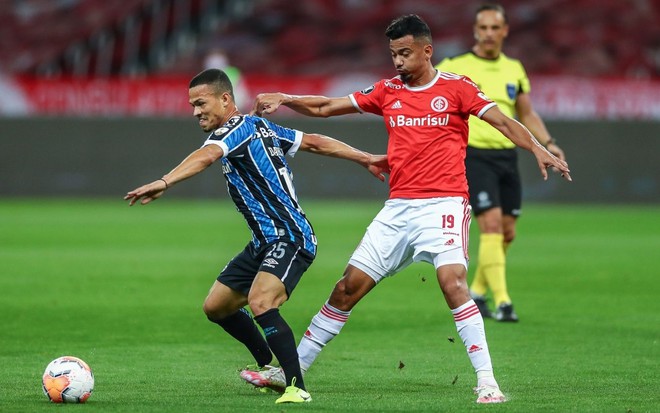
point(494, 180)
point(285, 260)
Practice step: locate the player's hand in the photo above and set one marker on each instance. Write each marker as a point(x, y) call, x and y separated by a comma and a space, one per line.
point(378, 166)
point(266, 103)
point(149, 192)
point(547, 160)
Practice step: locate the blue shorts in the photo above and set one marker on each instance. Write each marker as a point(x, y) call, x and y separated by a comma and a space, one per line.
point(283, 259)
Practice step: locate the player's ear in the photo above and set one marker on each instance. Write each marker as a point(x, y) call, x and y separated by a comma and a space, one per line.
point(428, 51)
point(226, 98)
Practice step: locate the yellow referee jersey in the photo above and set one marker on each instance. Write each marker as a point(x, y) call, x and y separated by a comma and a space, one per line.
point(501, 79)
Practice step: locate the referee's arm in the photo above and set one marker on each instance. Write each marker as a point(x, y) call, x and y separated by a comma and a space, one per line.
point(531, 119)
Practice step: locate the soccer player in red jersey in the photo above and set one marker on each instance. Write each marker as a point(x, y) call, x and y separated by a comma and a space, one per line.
point(427, 215)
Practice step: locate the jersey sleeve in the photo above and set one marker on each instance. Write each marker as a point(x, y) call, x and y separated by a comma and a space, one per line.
point(290, 139)
point(233, 137)
point(369, 99)
point(523, 83)
point(474, 101)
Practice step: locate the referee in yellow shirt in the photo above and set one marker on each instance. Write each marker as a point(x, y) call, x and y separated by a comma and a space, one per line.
point(492, 164)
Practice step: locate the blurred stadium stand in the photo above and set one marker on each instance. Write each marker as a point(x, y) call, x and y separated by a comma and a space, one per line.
point(50, 38)
point(103, 82)
point(53, 38)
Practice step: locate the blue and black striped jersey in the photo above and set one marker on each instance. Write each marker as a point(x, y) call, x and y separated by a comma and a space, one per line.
point(260, 181)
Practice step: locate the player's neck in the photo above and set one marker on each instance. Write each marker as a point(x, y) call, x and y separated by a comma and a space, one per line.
point(425, 78)
point(231, 114)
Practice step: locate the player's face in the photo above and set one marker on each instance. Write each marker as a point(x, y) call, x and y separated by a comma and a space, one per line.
point(208, 107)
point(490, 30)
point(410, 57)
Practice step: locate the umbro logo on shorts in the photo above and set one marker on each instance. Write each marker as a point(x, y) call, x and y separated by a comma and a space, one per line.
point(270, 262)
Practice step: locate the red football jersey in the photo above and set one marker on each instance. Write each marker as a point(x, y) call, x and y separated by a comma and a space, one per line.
point(428, 132)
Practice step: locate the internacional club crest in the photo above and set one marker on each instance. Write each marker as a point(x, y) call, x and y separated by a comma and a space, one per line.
point(439, 104)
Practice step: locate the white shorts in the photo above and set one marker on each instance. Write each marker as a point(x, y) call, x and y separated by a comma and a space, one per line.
point(433, 230)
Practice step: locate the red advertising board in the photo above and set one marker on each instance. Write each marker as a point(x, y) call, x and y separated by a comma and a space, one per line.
point(553, 97)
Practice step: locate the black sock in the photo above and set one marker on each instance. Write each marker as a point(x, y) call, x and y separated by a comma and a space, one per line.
point(240, 326)
point(282, 343)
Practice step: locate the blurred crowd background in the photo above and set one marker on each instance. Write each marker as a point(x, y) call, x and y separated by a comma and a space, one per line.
point(101, 38)
point(100, 83)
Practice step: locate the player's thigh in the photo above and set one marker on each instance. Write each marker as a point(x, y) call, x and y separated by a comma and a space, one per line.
point(222, 301)
point(384, 249)
point(267, 292)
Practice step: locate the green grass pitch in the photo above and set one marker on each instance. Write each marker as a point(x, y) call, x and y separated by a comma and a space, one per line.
point(122, 288)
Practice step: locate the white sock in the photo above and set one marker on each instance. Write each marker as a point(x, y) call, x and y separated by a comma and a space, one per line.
point(470, 326)
point(325, 325)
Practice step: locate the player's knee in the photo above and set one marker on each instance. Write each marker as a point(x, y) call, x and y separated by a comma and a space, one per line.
point(216, 309)
point(342, 296)
point(490, 220)
point(259, 307)
point(453, 286)
point(260, 303)
point(341, 288)
point(453, 282)
point(212, 311)
point(509, 236)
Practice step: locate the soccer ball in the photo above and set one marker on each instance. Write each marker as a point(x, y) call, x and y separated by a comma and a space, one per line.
point(68, 380)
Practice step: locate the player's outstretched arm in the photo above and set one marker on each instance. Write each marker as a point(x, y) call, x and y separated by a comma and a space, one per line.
point(325, 145)
point(195, 163)
point(523, 138)
point(316, 106)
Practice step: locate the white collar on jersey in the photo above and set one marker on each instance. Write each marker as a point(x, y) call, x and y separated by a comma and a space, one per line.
point(426, 86)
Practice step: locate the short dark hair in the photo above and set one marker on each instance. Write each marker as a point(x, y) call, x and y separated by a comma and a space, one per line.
point(492, 7)
point(214, 77)
point(409, 24)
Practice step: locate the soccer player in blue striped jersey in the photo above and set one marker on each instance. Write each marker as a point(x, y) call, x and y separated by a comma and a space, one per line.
point(252, 153)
